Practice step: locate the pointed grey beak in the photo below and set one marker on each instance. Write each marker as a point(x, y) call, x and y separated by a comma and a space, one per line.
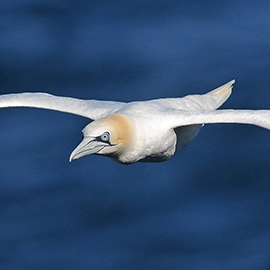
point(86, 147)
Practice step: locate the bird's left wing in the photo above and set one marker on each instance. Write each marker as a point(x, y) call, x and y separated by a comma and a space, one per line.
point(175, 118)
point(93, 109)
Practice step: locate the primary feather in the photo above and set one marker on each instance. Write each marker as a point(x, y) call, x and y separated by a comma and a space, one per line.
point(93, 109)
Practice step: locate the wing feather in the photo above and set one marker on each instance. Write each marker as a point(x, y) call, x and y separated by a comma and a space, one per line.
point(93, 109)
point(176, 118)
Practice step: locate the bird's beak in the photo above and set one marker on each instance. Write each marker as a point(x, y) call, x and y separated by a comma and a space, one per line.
point(86, 147)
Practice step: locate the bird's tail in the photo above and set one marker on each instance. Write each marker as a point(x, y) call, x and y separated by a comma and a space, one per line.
point(209, 101)
point(221, 94)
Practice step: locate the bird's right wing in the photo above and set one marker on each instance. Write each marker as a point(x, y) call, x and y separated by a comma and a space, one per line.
point(93, 109)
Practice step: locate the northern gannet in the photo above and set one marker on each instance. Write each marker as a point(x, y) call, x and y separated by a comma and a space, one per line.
point(151, 131)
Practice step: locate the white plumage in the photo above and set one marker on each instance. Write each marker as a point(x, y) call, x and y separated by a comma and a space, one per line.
point(151, 130)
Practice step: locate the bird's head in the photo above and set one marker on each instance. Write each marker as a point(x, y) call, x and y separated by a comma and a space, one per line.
point(109, 136)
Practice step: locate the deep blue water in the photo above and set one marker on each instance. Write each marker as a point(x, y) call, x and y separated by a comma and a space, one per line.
point(206, 208)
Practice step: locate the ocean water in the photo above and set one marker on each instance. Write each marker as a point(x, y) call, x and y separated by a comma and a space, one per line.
point(206, 208)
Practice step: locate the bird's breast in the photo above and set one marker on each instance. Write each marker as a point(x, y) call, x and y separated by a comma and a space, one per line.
point(150, 143)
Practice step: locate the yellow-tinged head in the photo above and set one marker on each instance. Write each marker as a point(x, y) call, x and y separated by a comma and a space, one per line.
point(109, 136)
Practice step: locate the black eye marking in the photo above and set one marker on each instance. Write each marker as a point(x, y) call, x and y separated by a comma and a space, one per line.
point(105, 137)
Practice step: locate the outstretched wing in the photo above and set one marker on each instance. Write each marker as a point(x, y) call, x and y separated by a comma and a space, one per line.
point(209, 101)
point(93, 109)
point(175, 118)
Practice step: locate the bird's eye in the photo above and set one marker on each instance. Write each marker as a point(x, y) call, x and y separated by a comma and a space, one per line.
point(105, 137)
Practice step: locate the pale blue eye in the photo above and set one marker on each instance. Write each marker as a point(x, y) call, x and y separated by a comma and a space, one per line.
point(105, 137)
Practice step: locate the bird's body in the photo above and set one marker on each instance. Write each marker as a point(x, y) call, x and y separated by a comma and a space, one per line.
point(149, 131)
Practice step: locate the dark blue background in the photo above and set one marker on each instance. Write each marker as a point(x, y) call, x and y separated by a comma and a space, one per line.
point(206, 208)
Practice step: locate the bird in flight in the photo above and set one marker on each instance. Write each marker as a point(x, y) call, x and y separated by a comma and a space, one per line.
point(142, 131)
